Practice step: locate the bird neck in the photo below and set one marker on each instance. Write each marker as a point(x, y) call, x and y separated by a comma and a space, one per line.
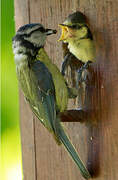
point(74, 44)
point(43, 57)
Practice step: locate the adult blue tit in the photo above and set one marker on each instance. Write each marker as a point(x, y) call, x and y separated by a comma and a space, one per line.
point(76, 33)
point(42, 83)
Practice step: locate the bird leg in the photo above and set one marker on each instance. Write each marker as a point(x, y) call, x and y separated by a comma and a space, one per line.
point(65, 63)
point(80, 77)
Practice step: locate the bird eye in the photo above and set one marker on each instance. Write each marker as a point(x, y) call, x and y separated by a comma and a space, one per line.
point(75, 26)
point(41, 29)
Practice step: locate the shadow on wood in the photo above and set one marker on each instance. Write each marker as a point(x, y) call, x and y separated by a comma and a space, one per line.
point(90, 115)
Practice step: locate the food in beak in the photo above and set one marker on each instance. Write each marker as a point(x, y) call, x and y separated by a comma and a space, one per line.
point(50, 31)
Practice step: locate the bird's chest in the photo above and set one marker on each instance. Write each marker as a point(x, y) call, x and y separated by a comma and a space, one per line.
point(84, 50)
point(77, 50)
point(26, 79)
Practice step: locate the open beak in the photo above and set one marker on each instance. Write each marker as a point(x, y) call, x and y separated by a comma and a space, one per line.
point(50, 31)
point(64, 34)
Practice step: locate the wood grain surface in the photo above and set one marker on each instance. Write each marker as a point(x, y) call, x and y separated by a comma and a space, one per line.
point(95, 140)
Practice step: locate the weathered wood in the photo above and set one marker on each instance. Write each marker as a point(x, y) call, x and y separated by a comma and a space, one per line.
point(96, 141)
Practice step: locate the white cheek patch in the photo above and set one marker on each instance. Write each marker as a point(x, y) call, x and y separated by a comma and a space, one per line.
point(37, 38)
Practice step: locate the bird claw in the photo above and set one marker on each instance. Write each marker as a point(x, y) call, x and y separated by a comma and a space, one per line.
point(65, 63)
point(82, 73)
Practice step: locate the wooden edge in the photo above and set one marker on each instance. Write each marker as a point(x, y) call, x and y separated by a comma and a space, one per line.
point(75, 116)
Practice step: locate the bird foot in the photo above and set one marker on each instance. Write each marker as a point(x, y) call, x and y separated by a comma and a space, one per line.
point(65, 63)
point(82, 74)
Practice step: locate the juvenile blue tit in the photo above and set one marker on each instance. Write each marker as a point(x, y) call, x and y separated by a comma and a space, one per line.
point(76, 33)
point(42, 83)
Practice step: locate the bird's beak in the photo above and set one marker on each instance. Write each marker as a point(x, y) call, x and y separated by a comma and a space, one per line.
point(50, 31)
point(64, 34)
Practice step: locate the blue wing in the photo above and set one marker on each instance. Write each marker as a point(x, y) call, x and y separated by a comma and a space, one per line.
point(43, 104)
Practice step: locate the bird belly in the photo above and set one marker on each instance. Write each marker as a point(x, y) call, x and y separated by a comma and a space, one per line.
point(59, 82)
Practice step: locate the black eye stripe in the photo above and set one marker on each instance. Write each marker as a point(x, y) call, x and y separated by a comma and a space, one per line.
point(75, 26)
point(41, 29)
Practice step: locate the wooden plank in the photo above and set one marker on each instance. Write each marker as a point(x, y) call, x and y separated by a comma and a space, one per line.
point(27, 124)
point(90, 138)
point(96, 141)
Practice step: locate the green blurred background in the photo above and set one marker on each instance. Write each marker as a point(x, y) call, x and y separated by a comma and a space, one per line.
point(11, 163)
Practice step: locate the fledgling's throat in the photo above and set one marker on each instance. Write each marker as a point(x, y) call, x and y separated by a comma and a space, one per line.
point(73, 46)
